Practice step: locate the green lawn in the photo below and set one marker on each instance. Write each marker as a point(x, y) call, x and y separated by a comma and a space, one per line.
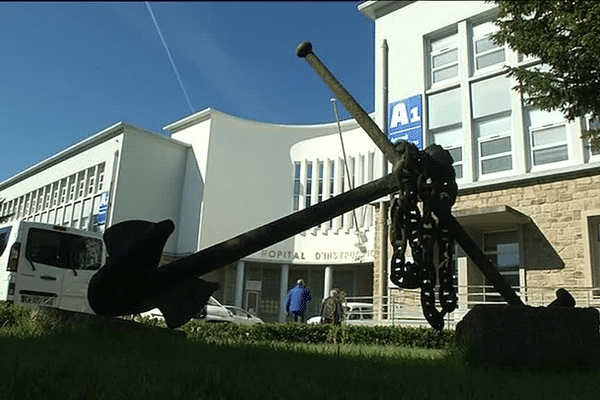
point(120, 366)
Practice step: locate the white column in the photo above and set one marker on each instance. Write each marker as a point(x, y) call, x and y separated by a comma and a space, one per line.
point(463, 283)
point(285, 269)
point(327, 281)
point(239, 283)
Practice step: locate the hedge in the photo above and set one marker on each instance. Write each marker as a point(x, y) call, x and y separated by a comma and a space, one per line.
point(27, 321)
point(305, 333)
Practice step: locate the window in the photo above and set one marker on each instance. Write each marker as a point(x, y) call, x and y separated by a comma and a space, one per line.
point(100, 176)
point(486, 53)
point(593, 124)
point(71, 187)
point(443, 58)
point(33, 201)
point(68, 214)
point(63, 250)
point(307, 197)
point(48, 190)
point(297, 186)
point(494, 144)
point(450, 139)
point(352, 168)
point(331, 178)
point(27, 203)
point(63, 191)
point(91, 185)
point(40, 199)
point(492, 124)
point(548, 137)
point(342, 175)
point(80, 193)
point(445, 125)
point(321, 169)
point(331, 184)
point(55, 193)
point(502, 249)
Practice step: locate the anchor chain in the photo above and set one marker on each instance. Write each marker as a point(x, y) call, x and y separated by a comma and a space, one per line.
point(426, 176)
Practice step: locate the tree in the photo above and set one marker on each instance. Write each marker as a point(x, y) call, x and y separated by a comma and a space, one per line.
point(565, 36)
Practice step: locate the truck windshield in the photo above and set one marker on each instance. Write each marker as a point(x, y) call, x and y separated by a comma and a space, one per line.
point(4, 234)
point(63, 250)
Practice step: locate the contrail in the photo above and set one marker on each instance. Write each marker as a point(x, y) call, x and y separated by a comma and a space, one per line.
point(170, 58)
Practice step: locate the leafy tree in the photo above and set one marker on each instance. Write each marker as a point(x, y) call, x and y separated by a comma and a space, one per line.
point(565, 36)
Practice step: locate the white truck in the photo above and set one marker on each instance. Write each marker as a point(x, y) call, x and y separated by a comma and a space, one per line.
point(48, 265)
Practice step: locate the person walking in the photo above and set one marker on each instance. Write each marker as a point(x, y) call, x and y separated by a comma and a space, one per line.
point(332, 310)
point(296, 300)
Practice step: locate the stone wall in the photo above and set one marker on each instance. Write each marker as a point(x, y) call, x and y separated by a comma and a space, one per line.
point(379, 273)
point(555, 249)
point(554, 243)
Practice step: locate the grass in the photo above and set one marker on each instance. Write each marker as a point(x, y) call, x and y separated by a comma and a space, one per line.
point(36, 363)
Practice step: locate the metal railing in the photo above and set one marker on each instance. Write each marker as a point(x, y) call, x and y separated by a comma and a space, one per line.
point(402, 307)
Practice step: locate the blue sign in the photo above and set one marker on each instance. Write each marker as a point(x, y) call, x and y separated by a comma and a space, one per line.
point(405, 122)
point(103, 210)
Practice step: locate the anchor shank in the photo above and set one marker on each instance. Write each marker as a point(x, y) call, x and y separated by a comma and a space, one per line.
point(243, 245)
point(304, 50)
point(361, 116)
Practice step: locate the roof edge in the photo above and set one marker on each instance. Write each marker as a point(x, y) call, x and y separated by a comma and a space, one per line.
point(376, 9)
point(103, 135)
point(208, 113)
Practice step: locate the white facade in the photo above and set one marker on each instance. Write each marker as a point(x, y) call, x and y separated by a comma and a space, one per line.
point(123, 162)
point(251, 173)
point(528, 184)
point(441, 50)
point(217, 177)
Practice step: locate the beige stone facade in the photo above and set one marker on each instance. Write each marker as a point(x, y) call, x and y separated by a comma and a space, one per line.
point(556, 218)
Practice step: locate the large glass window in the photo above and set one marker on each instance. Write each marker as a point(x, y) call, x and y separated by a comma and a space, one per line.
point(352, 169)
point(63, 250)
point(297, 186)
point(502, 249)
point(445, 125)
point(492, 124)
point(443, 58)
point(450, 139)
point(308, 195)
point(321, 168)
point(548, 137)
point(331, 178)
point(486, 53)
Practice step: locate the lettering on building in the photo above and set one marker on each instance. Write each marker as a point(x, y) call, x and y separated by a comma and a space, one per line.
point(281, 254)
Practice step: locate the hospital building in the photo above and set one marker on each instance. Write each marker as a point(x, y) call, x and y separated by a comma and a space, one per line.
point(529, 185)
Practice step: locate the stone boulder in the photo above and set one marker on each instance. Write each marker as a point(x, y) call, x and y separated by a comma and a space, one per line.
point(510, 335)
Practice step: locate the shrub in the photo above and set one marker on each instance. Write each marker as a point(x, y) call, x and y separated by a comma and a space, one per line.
point(23, 321)
point(305, 333)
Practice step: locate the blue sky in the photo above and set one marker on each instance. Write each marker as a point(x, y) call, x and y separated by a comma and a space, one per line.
point(69, 70)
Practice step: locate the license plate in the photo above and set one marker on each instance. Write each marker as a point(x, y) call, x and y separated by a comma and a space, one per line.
point(33, 299)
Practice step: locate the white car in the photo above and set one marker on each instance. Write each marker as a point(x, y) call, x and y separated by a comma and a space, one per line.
point(354, 314)
point(358, 313)
point(212, 312)
point(241, 316)
point(215, 312)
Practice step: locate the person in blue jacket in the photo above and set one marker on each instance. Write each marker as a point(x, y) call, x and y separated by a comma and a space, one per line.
point(296, 300)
